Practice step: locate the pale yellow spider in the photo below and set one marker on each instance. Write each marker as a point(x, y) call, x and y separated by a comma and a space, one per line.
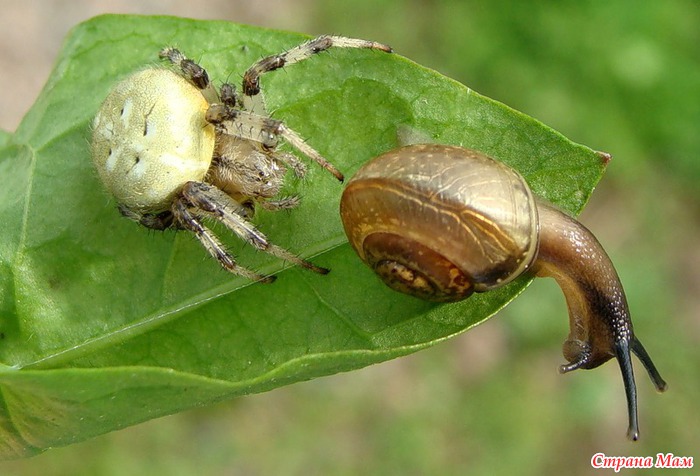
point(173, 150)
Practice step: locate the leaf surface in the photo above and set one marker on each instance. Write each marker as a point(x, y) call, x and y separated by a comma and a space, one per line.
point(104, 324)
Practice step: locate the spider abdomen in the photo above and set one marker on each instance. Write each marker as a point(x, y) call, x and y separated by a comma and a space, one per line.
point(150, 137)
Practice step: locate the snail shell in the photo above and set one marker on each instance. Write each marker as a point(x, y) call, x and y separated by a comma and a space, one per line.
point(441, 222)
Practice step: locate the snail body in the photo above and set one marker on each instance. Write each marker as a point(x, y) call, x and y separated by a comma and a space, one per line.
point(441, 222)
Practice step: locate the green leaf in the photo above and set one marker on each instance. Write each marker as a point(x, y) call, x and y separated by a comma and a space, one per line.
point(104, 324)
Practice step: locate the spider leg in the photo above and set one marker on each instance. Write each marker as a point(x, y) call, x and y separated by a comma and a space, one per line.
point(251, 78)
point(192, 71)
point(265, 130)
point(206, 237)
point(291, 161)
point(229, 95)
point(217, 204)
point(284, 203)
point(155, 221)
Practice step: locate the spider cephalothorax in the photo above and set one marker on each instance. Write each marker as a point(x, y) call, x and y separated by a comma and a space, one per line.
point(173, 150)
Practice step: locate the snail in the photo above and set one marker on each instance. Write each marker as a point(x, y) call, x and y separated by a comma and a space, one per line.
point(442, 222)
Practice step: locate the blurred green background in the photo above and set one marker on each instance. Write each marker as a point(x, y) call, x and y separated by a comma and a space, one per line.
point(619, 76)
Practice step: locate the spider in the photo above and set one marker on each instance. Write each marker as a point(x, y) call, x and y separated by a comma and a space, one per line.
point(173, 150)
